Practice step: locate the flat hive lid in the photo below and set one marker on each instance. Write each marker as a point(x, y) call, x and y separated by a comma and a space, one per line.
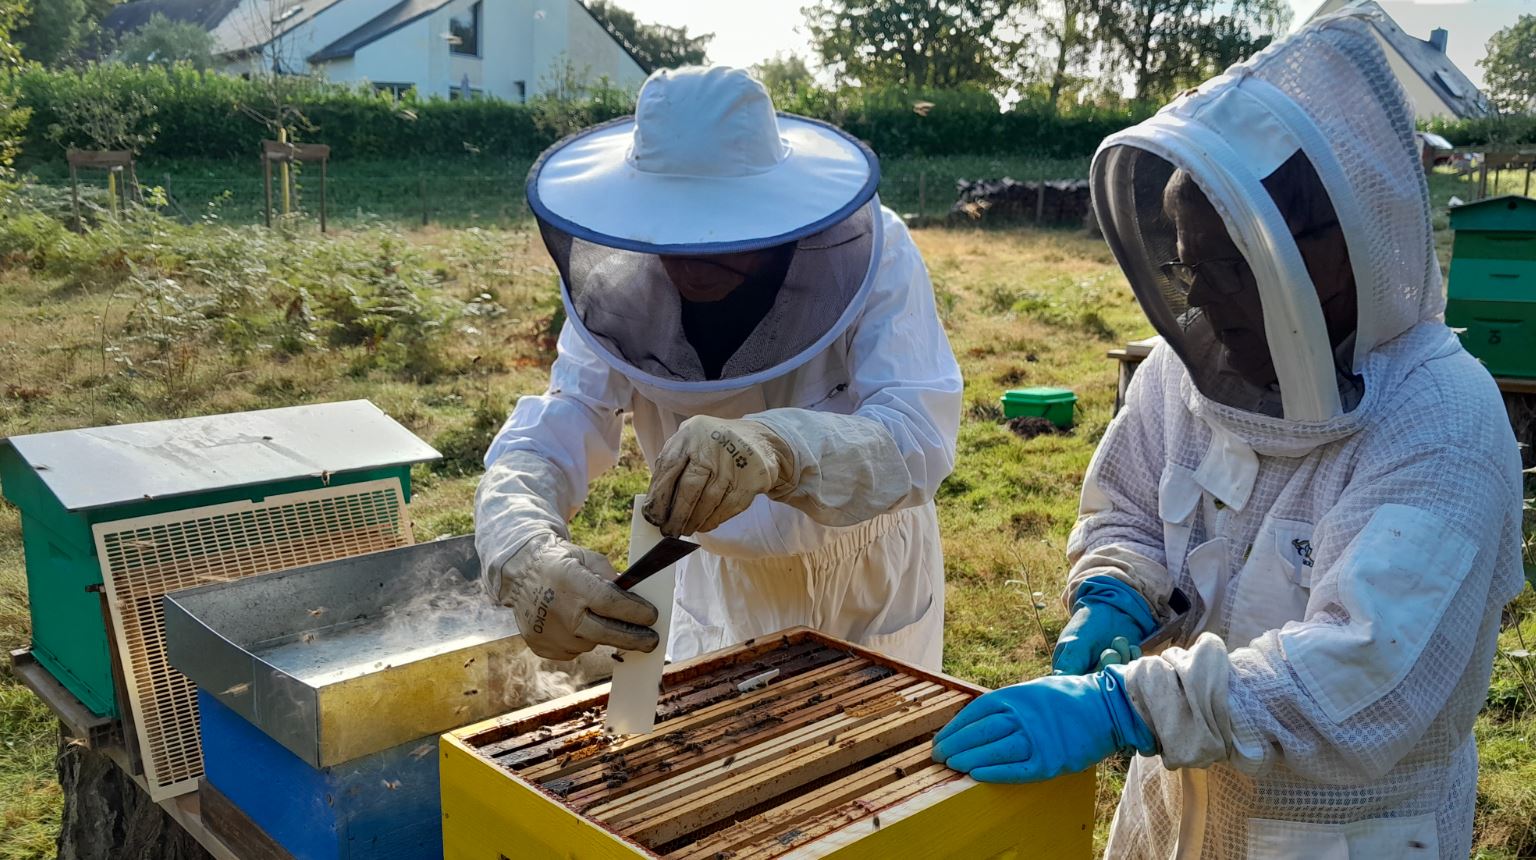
point(1506, 213)
point(1039, 395)
point(100, 467)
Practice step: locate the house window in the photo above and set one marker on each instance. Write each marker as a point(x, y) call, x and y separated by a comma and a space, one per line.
point(396, 91)
point(458, 93)
point(520, 89)
point(464, 31)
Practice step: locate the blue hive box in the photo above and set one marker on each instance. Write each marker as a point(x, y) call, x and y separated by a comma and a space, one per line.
point(383, 806)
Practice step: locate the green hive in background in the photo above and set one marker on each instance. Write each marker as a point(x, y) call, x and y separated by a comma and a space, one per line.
point(1053, 404)
point(1492, 290)
point(65, 483)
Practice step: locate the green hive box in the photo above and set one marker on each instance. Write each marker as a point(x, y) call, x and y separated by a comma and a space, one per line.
point(1053, 404)
point(65, 483)
point(1492, 289)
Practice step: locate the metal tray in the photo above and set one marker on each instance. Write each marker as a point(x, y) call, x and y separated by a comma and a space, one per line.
point(340, 660)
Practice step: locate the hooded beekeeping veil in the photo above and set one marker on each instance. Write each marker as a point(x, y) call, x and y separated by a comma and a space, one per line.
point(1327, 93)
point(706, 167)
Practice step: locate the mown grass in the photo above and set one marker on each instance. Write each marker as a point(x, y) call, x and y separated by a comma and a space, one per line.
point(444, 328)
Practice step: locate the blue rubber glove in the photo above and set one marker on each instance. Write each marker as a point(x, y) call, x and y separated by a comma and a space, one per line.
point(1103, 610)
point(1044, 728)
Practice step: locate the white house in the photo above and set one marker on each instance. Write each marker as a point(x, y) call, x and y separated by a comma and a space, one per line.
point(510, 49)
point(1437, 88)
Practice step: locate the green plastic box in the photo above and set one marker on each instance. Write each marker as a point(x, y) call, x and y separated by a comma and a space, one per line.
point(1491, 294)
point(65, 482)
point(1053, 404)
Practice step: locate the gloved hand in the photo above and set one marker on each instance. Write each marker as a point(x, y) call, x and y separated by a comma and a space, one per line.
point(1104, 610)
point(1119, 653)
point(711, 470)
point(566, 602)
point(1044, 728)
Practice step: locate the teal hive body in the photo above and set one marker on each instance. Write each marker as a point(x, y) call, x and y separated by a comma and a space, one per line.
point(1492, 288)
point(67, 482)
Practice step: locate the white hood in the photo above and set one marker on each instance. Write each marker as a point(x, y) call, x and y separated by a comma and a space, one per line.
point(1329, 93)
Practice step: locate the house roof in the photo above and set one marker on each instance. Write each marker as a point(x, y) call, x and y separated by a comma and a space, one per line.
point(618, 39)
point(409, 11)
point(1459, 94)
point(131, 16)
point(390, 20)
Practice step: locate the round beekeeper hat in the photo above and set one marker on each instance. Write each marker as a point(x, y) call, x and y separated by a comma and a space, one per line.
point(705, 166)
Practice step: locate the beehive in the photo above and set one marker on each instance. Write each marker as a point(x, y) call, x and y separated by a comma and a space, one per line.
point(323, 689)
point(798, 745)
point(115, 517)
point(1491, 294)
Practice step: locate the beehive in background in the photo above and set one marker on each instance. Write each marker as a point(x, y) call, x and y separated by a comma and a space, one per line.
point(1491, 294)
point(793, 745)
point(134, 511)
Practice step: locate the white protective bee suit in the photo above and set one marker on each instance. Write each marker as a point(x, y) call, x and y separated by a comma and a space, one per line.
point(851, 368)
point(1349, 555)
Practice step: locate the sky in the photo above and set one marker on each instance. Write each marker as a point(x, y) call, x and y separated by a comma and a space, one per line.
point(747, 31)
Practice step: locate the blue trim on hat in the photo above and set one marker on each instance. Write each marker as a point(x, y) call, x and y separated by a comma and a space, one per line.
point(543, 213)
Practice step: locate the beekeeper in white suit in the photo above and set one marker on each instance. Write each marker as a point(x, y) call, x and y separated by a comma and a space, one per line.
point(732, 283)
point(1313, 458)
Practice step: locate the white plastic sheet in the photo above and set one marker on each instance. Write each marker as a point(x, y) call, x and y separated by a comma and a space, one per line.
point(637, 679)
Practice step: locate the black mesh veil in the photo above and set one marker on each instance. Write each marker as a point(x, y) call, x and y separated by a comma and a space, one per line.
point(629, 309)
point(1129, 189)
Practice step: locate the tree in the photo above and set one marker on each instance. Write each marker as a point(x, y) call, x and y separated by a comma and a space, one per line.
point(655, 46)
point(1066, 26)
point(52, 30)
point(1510, 67)
point(1162, 46)
point(784, 76)
point(13, 119)
point(914, 43)
point(164, 42)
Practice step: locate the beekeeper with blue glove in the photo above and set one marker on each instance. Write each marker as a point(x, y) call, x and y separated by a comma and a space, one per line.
point(732, 284)
point(1313, 458)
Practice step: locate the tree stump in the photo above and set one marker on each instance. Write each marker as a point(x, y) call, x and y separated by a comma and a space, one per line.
point(108, 817)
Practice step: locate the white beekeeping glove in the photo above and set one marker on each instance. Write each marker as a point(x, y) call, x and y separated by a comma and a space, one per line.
point(711, 470)
point(566, 602)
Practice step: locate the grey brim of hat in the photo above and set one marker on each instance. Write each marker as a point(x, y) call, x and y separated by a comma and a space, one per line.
point(587, 187)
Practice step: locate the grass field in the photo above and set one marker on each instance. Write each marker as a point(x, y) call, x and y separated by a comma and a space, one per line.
point(444, 328)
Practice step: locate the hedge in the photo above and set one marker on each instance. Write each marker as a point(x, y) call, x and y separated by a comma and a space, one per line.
point(1509, 130)
point(211, 115)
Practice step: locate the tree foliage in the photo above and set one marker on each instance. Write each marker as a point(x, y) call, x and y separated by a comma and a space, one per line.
point(13, 117)
point(914, 43)
point(163, 42)
point(785, 76)
point(1064, 41)
point(1509, 70)
point(51, 30)
point(655, 46)
point(1163, 46)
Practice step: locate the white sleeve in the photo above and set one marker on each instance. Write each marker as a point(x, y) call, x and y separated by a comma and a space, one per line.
point(540, 464)
point(899, 443)
point(1414, 562)
point(1119, 532)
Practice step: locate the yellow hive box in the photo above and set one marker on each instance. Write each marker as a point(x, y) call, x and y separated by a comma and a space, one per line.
point(797, 745)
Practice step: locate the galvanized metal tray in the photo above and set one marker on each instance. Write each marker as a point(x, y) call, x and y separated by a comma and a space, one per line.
point(340, 660)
